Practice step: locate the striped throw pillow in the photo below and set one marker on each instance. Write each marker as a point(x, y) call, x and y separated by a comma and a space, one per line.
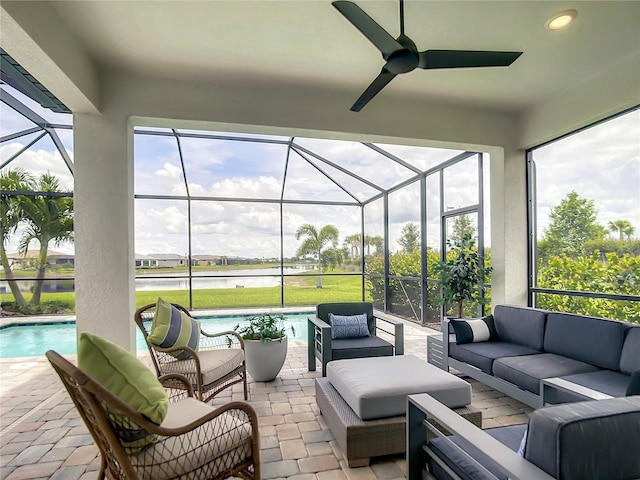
point(174, 328)
point(474, 330)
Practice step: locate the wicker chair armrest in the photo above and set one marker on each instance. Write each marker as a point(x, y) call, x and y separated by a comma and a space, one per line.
point(226, 339)
point(170, 380)
point(238, 409)
point(188, 350)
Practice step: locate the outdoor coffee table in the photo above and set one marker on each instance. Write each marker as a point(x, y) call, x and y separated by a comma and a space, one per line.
point(374, 387)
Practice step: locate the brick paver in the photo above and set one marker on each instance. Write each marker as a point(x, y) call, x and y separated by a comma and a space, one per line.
point(42, 436)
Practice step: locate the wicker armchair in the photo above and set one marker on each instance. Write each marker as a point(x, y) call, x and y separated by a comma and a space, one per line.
point(195, 440)
point(219, 362)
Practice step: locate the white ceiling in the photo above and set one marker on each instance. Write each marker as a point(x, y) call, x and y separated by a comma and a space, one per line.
point(310, 42)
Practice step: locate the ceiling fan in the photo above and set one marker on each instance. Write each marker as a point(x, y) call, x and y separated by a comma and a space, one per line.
point(402, 55)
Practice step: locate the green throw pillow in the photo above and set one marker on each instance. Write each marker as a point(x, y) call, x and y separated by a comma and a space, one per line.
point(174, 328)
point(120, 372)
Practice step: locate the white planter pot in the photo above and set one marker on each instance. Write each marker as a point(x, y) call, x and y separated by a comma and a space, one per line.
point(265, 359)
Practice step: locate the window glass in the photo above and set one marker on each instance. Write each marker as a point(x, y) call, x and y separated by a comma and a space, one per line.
point(461, 184)
point(587, 217)
point(423, 158)
point(157, 167)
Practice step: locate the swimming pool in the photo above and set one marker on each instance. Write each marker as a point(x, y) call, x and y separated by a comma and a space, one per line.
point(32, 340)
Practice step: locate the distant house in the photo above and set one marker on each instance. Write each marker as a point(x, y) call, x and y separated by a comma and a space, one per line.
point(26, 261)
point(145, 261)
point(206, 260)
point(159, 260)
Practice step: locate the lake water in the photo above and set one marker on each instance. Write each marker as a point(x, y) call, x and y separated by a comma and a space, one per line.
point(269, 277)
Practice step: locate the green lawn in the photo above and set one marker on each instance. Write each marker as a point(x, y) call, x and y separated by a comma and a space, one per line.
point(335, 289)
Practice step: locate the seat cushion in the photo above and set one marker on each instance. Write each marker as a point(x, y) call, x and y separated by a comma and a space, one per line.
point(214, 364)
point(527, 371)
point(372, 346)
point(459, 463)
point(592, 340)
point(587, 440)
point(605, 381)
point(378, 387)
point(172, 457)
point(482, 355)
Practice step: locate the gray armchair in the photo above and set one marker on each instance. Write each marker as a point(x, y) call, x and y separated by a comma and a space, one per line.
point(323, 347)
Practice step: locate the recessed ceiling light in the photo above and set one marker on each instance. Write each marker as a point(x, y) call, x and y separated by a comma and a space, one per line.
point(561, 20)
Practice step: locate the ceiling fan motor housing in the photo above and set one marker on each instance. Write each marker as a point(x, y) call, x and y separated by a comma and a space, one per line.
point(405, 59)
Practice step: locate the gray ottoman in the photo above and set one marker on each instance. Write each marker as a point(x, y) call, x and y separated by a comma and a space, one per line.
point(378, 387)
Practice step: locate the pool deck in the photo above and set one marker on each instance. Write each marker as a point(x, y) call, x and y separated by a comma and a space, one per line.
point(42, 436)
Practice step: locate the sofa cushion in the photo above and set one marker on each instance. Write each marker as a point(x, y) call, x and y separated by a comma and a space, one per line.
point(521, 325)
point(482, 355)
point(526, 372)
point(605, 381)
point(630, 356)
point(594, 439)
point(459, 463)
point(597, 341)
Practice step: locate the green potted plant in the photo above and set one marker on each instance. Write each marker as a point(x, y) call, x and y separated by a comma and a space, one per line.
point(265, 343)
point(461, 275)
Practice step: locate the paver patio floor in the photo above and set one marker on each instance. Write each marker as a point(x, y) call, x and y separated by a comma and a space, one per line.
point(42, 436)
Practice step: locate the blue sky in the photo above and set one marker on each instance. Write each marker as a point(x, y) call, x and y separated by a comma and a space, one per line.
point(601, 163)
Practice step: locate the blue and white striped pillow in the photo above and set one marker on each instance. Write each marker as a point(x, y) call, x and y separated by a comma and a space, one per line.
point(174, 328)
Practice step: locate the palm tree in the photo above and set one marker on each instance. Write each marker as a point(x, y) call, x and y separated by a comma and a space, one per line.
point(48, 219)
point(374, 241)
point(314, 242)
point(623, 227)
point(10, 216)
point(353, 243)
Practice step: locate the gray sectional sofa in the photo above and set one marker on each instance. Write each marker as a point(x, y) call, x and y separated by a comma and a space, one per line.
point(529, 345)
point(597, 440)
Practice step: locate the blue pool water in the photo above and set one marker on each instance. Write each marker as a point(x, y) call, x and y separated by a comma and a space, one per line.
point(35, 339)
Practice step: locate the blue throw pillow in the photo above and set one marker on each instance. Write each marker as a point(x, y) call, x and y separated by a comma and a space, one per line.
point(349, 326)
point(633, 388)
point(474, 330)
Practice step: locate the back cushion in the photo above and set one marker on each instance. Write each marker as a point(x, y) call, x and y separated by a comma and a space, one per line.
point(521, 325)
point(586, 440)
point(588, 339)
point(630, 357)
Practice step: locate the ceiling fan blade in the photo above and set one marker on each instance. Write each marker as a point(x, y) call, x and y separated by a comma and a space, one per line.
point(368, 27)
point(466, 59)
point(372, 90)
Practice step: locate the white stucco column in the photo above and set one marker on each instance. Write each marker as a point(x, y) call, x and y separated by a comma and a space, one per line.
point(509, 232)
point(104, 228)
